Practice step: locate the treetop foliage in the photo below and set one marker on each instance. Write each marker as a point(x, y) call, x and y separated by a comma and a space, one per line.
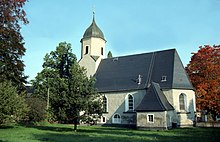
point(11, 42)
point(204, 73)
point(109, 55)
point(69, 90)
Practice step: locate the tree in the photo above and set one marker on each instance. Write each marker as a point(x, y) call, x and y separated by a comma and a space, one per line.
point(11, 42)
point(204, 73)
point(70, 90)
point(12, 106)
point(109, 54)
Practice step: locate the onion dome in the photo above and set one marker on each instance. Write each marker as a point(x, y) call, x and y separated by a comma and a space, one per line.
point(93, 31)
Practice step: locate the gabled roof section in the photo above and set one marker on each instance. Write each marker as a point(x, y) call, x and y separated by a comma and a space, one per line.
point(154, 100)
point(167, 63)
point(180, 77)
point(138, 71)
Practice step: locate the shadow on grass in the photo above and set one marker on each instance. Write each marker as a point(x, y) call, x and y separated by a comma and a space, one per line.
point(106, 134)
point(6, 127)
point(78, 137)
point(65, 133)
point(55, 128)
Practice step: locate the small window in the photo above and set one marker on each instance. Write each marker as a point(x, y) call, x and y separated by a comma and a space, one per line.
point(116, 119)
point(102, 52)
point(87, 50)
point(163, 78)
point(105, 104)
point(150, 118)
point(103, 119)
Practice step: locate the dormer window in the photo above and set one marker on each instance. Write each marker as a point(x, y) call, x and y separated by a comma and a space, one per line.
point(163, 78)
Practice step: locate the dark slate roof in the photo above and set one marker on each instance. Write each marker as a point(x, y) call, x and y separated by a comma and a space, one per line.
point(121, 73)
point(93, 31)
point(154, 100)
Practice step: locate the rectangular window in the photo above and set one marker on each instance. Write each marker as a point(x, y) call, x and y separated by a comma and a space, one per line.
point(102, 51)
point(87, 50)
point(150, 118)
point(103, 119)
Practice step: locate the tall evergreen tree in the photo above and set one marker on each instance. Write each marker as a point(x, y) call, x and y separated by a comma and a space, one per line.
point(65, 82)
point(11, 42)
point(109, 54)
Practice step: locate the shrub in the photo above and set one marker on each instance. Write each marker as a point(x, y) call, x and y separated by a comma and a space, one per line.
point(37, 109)
point(12, 107)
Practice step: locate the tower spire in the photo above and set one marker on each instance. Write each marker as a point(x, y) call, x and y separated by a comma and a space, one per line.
point(93, 13)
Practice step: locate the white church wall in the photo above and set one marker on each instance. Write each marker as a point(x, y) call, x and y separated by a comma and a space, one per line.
point(158, 120)
point(182, 118)
point(161, 120)
point(116, 105)
point(88, 63)
point(95, 45)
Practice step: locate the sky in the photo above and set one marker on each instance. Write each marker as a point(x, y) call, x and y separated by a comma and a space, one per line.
point(129, 26)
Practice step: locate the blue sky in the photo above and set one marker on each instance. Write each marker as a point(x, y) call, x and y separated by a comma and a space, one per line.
point(129, 26)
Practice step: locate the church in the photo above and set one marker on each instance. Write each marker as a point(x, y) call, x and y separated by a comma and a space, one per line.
point(146, 91)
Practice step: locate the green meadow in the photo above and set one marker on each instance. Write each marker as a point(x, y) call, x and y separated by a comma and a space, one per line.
point(65, 133)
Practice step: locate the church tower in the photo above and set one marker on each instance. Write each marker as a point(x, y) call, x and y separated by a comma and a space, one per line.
point(92, 48)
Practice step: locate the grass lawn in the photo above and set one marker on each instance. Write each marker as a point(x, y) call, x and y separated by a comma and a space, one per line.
point(65, 133)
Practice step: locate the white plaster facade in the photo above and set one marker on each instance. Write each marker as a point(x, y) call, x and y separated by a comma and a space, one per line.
point(116, 105)
point(96, 47)
point(95, 44)
point(90, 64)
point(186, 117)
point(161, 120)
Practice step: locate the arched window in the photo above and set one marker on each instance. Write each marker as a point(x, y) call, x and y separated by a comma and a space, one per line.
point(105, 104)
point(129, 103)
point(182, 102)
point(116, 119)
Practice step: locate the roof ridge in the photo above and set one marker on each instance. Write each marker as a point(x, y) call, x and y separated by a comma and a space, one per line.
point(157, 96)
point(137, 54)
point(150, 70)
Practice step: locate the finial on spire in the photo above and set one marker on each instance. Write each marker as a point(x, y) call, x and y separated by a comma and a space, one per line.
point(93, 12)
